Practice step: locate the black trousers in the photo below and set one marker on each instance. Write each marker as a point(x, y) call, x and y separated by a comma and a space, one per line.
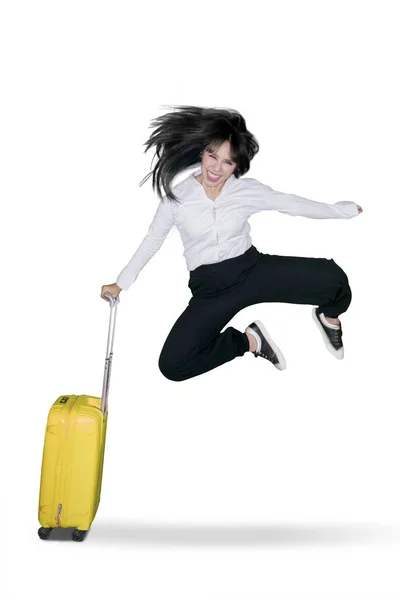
point(195, 343)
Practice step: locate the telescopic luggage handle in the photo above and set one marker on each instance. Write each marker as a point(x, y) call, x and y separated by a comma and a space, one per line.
point(109, 353)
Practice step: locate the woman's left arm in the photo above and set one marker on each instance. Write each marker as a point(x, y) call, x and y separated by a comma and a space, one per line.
point(263, 197)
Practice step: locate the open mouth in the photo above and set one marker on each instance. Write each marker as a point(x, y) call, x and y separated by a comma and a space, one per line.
point(211, 177)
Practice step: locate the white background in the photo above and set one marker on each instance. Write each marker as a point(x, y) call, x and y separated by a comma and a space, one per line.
point(245, 482)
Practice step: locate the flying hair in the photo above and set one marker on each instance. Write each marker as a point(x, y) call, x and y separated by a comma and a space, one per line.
point(180, 137)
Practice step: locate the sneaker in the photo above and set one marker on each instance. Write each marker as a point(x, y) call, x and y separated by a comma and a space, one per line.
point(266, 347)
point(332, 334)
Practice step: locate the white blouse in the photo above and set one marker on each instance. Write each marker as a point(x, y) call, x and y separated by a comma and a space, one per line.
point(214, 230)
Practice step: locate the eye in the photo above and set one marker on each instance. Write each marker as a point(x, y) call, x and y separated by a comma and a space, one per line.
point(228, 161)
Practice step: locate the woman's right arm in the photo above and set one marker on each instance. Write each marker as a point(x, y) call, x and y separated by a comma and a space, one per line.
point(159, 228)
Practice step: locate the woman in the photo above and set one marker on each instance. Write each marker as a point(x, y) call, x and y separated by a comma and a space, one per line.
point(211, 208)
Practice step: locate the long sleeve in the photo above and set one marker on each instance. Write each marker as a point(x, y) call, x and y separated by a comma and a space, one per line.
point(265, 198)
point(159, 228)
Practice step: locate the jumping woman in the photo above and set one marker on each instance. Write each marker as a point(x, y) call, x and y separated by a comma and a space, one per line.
point(210, 209)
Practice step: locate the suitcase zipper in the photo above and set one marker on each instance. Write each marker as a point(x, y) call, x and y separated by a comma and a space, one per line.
point(58, 515)
point(67, 418)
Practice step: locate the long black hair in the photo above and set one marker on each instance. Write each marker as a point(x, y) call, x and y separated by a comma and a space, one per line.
point(181, 137)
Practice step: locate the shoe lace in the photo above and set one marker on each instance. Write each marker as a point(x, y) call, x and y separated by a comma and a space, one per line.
point(263, 354)
point(336, 336)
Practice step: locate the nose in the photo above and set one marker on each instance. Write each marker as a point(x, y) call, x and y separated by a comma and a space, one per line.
point(217, 169)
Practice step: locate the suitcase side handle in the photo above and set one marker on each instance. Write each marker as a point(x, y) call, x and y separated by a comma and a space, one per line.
point(109, 352)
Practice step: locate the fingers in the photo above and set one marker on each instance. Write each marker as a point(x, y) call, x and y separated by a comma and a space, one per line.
point(112, 289)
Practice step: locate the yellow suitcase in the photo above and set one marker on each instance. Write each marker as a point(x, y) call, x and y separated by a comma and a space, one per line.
point(73, 455)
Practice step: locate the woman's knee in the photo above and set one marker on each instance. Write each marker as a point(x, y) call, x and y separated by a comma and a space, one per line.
point(344, 294)
point(169, 368)
point(338, 274)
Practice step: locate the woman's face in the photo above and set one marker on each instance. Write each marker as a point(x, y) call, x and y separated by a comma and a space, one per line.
point(217, 165)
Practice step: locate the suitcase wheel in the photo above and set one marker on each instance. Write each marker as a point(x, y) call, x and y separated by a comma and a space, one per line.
point(44, 532)
point(78, 535)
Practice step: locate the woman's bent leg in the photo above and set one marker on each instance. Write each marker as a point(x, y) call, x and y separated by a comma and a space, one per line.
point(316, 281)
point(195, 343)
